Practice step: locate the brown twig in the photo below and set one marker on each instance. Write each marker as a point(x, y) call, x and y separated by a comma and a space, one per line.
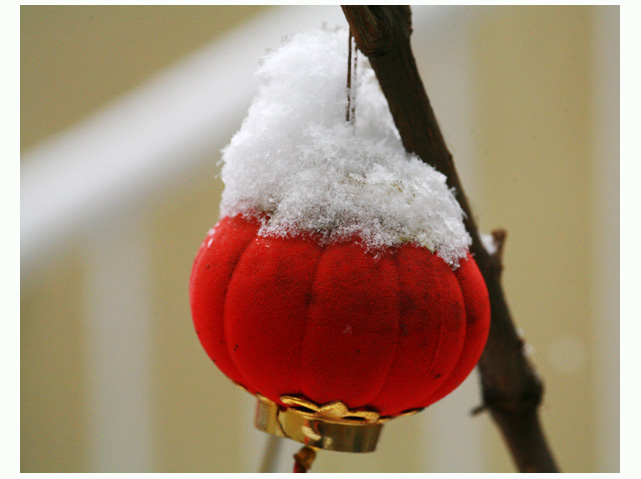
point(511, 389)
point(304, 459)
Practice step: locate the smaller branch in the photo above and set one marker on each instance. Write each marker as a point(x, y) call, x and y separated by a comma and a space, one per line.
point(478, 410)
point(499, 236)
point(304, 459)
point(496, 259)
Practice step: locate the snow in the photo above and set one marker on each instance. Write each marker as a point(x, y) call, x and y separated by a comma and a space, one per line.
point(297, 159)
point(487, 240)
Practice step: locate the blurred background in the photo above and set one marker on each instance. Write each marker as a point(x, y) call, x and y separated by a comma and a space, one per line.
point(124, 110)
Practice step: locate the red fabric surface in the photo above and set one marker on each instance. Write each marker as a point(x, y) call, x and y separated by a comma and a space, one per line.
point(210, 276)
point(431, 331)
point(351, 327)
point(477, 314)
point(285, 316)
point(265, 313)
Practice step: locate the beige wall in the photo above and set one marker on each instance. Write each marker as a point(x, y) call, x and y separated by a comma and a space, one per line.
point(73, 59)
point(534, 112)
point(534, 171)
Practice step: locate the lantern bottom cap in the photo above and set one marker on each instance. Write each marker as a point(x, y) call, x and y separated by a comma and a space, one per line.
point(312, 428)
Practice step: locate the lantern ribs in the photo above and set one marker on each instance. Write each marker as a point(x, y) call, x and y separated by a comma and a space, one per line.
point(511, 389)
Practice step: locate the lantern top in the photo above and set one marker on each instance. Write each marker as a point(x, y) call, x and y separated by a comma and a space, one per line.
point(296, 159)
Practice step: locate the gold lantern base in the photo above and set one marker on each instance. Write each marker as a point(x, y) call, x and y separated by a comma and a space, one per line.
point(332, 426)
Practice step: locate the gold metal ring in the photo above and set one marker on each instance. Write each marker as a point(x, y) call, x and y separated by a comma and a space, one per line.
point(332, 426)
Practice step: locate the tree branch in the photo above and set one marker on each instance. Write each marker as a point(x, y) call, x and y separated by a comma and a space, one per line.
point(511, 389)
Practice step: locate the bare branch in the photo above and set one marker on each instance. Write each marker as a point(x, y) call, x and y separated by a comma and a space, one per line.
point(511, 389)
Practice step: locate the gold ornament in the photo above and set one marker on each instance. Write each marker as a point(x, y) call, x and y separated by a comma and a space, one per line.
point(332, 426)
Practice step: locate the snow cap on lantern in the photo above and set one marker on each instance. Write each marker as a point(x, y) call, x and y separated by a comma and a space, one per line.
point(339, 272)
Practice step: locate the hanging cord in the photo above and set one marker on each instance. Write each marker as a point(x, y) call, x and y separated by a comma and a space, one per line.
point(352, 62)
point(304, 459)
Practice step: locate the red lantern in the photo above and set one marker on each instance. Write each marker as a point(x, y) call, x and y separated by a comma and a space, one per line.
point(334, 339)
